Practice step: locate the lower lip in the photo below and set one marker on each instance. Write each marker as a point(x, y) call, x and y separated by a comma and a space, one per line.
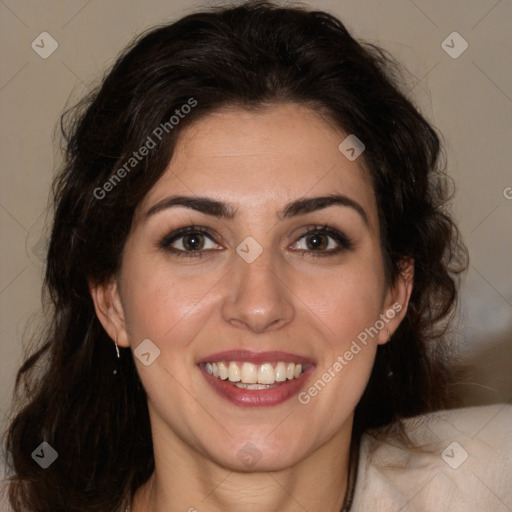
point(257, 397)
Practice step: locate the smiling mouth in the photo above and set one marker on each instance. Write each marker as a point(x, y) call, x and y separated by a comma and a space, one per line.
point(246, 375)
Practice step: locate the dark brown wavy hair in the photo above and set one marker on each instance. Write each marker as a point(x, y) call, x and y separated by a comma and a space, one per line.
point(71, 391)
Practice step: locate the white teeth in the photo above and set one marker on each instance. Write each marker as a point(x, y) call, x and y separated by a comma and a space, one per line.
point(280, 372)
point(223, 370)
point(233, 372)
point(253, 376)
point(253, 386)
point(266, 374)
point(249, 373)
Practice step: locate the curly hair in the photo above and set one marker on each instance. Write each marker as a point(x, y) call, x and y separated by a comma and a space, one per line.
point(250, 56)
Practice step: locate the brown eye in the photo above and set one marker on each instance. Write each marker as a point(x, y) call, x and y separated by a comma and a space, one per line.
point(190, 241)
point(322, 241)
point(317, 241)
point(193, 242)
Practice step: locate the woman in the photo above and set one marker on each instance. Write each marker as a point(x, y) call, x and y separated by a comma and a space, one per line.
point(250, 268)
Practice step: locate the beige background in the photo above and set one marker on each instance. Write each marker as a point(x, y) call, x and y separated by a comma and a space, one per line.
point(469, 99)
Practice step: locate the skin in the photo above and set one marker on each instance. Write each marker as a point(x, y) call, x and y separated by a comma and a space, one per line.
point(288, 299)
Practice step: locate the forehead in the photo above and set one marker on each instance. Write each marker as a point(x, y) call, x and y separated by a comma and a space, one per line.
point(257, 160)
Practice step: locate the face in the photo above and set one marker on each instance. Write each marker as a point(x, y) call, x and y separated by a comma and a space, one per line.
point(255, 270)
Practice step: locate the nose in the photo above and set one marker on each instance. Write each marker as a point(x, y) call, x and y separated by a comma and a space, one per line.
point(258, 299)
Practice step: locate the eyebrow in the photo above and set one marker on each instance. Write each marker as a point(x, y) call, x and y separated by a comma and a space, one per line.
point(200, 204)
point(311, 204)
point(223, 210)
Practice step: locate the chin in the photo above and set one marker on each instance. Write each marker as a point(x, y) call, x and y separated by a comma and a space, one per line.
point(260, 455)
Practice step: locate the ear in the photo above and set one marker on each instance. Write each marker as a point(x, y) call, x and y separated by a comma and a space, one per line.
point(397, 300)
point(109, 310)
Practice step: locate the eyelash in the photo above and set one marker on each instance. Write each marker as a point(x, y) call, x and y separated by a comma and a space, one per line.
point(167, 240)
point(344, 243)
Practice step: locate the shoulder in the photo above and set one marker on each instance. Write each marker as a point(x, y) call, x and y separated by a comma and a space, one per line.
point(461, 460)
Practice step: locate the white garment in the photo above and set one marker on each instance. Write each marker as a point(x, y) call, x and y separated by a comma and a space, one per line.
point(439, 478)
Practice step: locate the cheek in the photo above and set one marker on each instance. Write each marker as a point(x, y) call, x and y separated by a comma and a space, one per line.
point(169, 310)
point(346, 301)
point(158, 301)
point(346, 310)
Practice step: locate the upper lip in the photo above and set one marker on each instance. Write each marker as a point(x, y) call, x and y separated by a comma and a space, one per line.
point(256, 357)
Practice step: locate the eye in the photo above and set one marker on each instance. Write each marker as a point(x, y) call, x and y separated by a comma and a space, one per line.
point(189, 241)
point(323, 240)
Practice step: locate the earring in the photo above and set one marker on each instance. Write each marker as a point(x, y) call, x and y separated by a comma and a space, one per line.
point(117, 349)
point(390, 372)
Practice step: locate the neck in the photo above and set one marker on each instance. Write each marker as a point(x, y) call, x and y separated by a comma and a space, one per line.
point(185, 480)
point(285, 491)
